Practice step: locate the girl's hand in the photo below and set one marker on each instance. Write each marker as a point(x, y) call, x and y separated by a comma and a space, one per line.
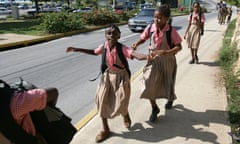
point(161, 52)
point(149, 58)
point(134, 46)
point(184, 37)
point(70, 49)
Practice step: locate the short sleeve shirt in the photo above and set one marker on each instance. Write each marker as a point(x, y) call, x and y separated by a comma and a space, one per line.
point(22, 103)
point(157, 35)
point(111, 55)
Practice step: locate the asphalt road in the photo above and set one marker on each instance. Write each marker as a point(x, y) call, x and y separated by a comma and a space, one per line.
point(48, 65)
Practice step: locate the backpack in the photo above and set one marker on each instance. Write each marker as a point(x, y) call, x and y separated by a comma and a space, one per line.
point(168, 35)
point(54, 125)
point(8, 126)
point(121, 56)
point(202, 26)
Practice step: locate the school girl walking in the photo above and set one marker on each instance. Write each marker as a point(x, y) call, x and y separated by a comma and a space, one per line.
point(194, 31)
point(113, 92)
point(159, 74)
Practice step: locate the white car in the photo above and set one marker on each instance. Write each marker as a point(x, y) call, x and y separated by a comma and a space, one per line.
point(5, 11)
point(83, 10)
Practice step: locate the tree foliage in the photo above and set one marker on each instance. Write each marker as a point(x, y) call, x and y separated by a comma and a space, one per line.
point(234, 2)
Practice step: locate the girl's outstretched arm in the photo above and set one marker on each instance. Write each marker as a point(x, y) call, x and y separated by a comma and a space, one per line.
point(174, 50)
point(87, 51)
point(139, 56)
point(139, 42)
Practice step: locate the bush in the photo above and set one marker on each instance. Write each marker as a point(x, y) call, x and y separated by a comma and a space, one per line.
point(101, 17)
point(61, 22)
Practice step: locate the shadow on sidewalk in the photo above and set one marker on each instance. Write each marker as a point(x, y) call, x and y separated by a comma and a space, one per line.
point(211, 64)
point(178, 122)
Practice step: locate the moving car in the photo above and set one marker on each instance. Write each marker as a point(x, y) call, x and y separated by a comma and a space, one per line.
point(141, 20)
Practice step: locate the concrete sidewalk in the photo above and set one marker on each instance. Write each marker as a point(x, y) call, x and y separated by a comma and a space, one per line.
point(199, 115)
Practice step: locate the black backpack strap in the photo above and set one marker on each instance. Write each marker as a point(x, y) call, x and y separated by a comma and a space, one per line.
point(103, 64)
point(168, 37)
point(150, 34)
point(122, 58)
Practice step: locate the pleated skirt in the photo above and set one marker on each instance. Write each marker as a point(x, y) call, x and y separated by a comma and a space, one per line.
point(113, 94)
point(159, 78)
point(193, 36)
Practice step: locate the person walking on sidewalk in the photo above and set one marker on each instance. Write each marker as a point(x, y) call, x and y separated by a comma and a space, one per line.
point(113, 92)
point(159, 74)
point(194, 31)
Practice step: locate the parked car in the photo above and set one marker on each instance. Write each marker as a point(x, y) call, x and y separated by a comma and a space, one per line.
point(141, 20)
point(23, 6)
point(83, 10)
point(5, 11)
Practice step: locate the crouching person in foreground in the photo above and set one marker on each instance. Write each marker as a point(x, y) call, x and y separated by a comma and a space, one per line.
point(19, 110)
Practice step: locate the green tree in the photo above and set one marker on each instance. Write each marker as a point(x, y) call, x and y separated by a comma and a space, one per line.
point(234, 2)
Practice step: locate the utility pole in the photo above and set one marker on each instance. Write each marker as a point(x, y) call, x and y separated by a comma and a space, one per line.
point(190, 6)
point(113, 6)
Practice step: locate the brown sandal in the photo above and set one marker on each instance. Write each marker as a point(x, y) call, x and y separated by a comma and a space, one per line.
point(127, 121)
point(102, 136)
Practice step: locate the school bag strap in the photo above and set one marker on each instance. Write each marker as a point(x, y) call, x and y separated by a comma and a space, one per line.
point(103, 64)
point(200, 17)
point(121, 56)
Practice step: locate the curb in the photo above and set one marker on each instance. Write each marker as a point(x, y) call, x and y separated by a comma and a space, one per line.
point(50, 37)
point(29, 42)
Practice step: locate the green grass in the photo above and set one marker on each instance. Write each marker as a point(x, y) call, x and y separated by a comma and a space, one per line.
point(28, 27)
point(228, 55)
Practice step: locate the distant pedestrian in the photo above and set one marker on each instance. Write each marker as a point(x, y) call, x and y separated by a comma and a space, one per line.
point(194, 31)
point(113, 92)
point(159, 74)
point(229, 16)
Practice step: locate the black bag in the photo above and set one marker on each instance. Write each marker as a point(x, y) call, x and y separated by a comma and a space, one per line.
point(8, 126)
point(54, 125)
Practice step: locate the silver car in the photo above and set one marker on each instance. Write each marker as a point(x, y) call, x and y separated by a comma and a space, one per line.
point(141, 20)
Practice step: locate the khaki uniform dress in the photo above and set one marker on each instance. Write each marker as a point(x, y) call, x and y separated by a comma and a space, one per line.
point(113, 93)
point(193, 36)
point(194, 33)
point(159, 75)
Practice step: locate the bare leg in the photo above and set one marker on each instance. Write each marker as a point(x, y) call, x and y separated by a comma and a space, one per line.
point(193, 57)
point(196, 56)
point(153, 103)
point(155, 111)
point(127, 121)
point(105, 124)
point(105, 133)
